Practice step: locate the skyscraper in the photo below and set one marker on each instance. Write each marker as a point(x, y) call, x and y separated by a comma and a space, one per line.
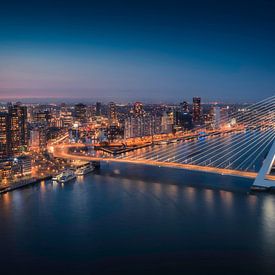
point(18, 128)
point(184, 107)
point(98, 109)
point(216, 117)
point(167, 121)
point(5, 149)
point(138, 126)
point(112, 113)
point(138, 109)
point(196, 110)
point(80, 112)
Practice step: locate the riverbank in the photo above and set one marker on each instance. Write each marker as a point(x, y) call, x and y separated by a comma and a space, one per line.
point(23, 183)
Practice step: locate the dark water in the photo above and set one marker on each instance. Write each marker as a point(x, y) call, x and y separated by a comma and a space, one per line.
point(134, 220)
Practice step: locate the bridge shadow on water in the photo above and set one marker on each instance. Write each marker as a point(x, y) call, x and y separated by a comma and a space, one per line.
point(165, 175)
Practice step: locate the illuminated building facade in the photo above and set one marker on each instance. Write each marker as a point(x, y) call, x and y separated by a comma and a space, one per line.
point(98, 109)
point(112, 113)
point(197, 110)
point(80, 112)
point(138, 109)
point(5, 149)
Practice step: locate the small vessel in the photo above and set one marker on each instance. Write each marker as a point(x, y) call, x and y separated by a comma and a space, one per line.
point(65, 176)
point(83, 170)
point(56, 178)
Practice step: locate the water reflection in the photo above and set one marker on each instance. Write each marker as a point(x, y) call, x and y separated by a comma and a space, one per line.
point(191, 192)
point(268, 221)
point(157, 188)
point(227, 201)
point(173, 190)
point(43, 186)
point(208, 195)
point(107, 215)
point(80, 179)
point(6, 199)
point(252, 202)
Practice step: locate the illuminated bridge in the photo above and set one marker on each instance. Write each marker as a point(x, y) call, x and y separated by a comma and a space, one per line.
point(243, 145)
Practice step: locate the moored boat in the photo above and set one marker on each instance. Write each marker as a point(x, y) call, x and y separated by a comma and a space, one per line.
point(83, 170)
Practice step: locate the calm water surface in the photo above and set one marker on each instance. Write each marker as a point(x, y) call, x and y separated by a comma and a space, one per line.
point(133, 219)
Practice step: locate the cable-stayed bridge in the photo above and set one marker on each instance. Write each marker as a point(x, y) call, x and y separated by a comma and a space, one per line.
point(242, 145)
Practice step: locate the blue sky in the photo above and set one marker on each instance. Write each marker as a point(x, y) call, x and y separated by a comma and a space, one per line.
point(138, 50)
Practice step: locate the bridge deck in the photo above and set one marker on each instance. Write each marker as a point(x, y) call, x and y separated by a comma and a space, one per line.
point(252, 175)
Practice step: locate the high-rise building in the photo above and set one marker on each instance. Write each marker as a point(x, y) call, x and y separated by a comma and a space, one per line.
point(5, 149)
point(184, 107)
point(183, 120)
point(138, 109)
point(42, 117)
point(80, 112)
point(74, 133)
point(167, 122)
point(38, 138)
point(13, 130)
point(66, 116)
point(18, 128)
point(186, 121)
point(138, 126)
point(196, 110)
point(98, 109)
point(112, 113)
point(216, 117)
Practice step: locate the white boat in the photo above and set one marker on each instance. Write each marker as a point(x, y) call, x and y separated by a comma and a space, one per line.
point(83, 170)
point(57, 177)
point(65, 176)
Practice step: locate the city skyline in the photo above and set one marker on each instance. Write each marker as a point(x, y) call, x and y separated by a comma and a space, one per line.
point(137, 51)
point(137, 136)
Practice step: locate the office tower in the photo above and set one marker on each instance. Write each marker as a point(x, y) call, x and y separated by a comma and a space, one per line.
point(184, 107)
point(42, 118)
point(183, 120)
point(98, 109)
point(112, 113)
point(80, 112)
point(66, 116)
point(18, 128)
point(5, 139)
point(216, 117)
point(113, 132)
point(138, 109)
point(186, 121)
point(38, 138)
point(167, 121)
point(74, 133)
point(196, 110)
point(138, 126)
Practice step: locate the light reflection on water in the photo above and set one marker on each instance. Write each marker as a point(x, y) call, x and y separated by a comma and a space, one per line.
point(139, 212)
point(268, 221)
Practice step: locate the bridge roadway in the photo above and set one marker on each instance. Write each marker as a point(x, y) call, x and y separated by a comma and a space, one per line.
point(62, 151)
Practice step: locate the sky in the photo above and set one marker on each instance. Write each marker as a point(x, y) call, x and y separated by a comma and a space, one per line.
point(137, 50)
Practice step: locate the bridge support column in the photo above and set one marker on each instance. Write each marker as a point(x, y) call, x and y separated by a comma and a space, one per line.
point(262, 181)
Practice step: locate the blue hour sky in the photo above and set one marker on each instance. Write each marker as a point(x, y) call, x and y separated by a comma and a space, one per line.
point(137, 50)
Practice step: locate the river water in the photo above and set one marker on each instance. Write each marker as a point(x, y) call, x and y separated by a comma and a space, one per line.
point(130, 219)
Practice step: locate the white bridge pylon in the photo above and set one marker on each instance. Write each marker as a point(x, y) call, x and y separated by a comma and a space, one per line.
point(263, 180)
